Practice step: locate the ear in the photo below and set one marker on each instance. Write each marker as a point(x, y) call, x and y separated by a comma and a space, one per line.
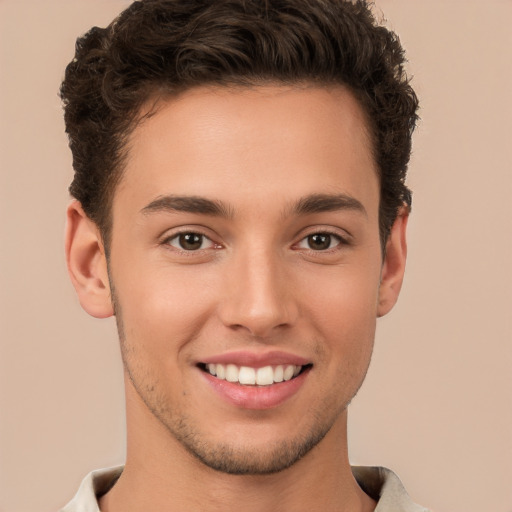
point(393, 267)
point(87, 263)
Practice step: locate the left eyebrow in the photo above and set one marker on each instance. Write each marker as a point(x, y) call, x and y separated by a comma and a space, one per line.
point(319, 203)
point(188, 204)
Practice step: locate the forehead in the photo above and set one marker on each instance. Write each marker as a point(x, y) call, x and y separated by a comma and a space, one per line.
point(260, 145)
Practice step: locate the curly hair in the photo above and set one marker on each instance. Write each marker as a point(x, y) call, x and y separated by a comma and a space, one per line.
point(167, 46)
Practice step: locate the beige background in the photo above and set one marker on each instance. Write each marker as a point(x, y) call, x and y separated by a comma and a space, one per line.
point(437, 405)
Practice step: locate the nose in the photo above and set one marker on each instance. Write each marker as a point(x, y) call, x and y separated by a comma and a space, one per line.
point(259, 296)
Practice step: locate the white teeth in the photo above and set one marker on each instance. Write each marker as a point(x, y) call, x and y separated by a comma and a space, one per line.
point(232, 373)
point(248, 376)
point(288, 372)
point(279, 374)
point(220, 371)
point(265, 376)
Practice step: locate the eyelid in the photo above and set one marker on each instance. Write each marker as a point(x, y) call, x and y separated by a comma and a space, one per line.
point(343, 235)
point(182, 230)
point(339, 240)
point(176, 238)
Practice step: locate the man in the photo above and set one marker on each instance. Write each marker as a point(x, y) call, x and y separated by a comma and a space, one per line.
point(240, 207)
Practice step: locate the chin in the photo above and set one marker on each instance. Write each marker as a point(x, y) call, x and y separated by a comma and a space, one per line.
point(249, 460)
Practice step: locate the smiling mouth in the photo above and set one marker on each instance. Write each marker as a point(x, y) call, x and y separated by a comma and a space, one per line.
point(249, 376)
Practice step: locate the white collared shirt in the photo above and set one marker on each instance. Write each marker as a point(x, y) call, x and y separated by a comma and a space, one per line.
point(379, 483)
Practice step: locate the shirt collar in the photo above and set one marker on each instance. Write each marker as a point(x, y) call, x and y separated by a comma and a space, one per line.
point(379, 483)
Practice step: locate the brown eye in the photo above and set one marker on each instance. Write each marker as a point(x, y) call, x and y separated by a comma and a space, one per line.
point(190, 241)
point(319, 241)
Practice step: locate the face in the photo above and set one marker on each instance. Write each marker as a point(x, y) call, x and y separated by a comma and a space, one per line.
point(246, 268)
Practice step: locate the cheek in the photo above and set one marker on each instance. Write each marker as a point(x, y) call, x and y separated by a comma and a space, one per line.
point(344, 295)
point(161, 307)
point(342, 307)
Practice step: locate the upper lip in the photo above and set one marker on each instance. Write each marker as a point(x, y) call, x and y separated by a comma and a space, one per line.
point(256, 360)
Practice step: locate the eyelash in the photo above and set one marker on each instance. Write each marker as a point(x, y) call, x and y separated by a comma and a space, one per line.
point(176, 236)
point(340, 242)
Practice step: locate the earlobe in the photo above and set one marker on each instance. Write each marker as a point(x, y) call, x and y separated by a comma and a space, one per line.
point(87, 264)
point(393, 267)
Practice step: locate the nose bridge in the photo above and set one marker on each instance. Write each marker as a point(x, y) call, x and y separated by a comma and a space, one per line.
point(258, 298)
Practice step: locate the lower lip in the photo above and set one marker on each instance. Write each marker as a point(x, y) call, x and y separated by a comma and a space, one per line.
point(256, 397)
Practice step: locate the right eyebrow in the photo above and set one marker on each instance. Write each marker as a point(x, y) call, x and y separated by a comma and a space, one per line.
point(188, 204)
point(319, 203)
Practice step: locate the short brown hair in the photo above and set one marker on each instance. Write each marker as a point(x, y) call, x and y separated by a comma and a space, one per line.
point(167, 46)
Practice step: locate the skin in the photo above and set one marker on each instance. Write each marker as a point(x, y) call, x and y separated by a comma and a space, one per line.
point(258, 282)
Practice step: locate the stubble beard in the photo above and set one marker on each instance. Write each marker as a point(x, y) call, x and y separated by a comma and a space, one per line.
point(223, 457)
point(246, 460)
